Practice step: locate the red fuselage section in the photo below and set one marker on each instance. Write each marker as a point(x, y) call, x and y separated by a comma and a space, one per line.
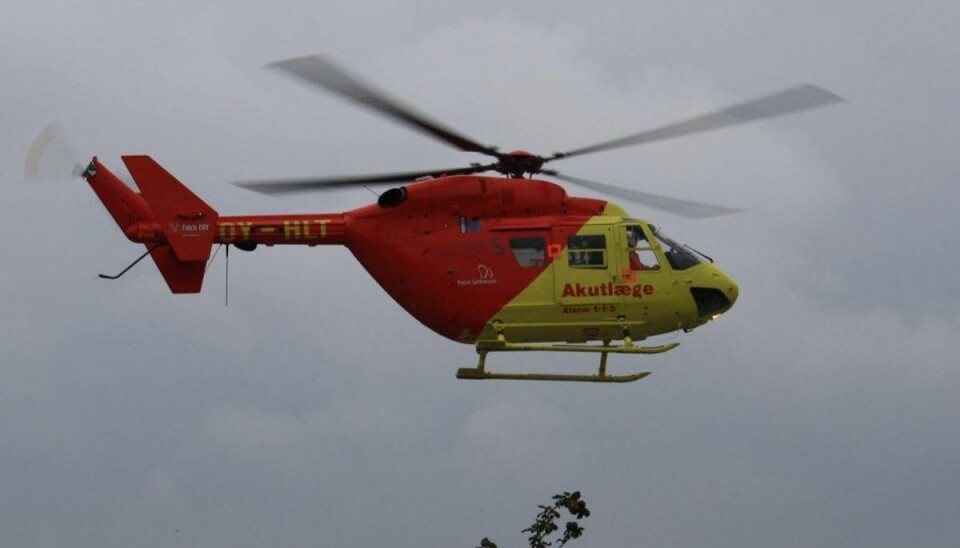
point(442, 253)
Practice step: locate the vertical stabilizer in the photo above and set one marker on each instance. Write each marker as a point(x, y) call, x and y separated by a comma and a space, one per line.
point(188, 223)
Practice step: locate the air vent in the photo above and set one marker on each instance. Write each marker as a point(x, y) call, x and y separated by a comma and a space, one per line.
point(392, 197)
point(709, 301)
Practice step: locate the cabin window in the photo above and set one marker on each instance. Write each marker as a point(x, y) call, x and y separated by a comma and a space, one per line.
point(529, 252)
point(640, 254)
point(587, 251)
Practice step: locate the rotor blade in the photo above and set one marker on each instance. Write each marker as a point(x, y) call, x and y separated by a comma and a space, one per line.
point(317, 70)
point(308, 184)
point(684, 208)
point(52, 156)
point(795, 99)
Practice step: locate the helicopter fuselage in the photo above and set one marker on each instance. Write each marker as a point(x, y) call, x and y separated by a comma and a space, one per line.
point(469, 256)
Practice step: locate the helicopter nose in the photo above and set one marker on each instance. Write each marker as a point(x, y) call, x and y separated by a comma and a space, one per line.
point(733, 290)
point(728, 286)
point(715, 295)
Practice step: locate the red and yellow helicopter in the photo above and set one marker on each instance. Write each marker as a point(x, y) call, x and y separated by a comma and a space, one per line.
point(506, 263)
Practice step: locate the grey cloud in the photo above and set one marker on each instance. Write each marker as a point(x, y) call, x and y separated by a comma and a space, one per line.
point(314, 411)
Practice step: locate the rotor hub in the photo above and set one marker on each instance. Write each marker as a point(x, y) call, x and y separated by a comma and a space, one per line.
point(519, 163)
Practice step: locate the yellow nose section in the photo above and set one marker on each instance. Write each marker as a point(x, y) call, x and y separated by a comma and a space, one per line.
point(730, 288)
point(713, 292)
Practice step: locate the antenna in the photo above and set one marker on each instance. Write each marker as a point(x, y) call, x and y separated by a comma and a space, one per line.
point(226, 279)
point(226, 285)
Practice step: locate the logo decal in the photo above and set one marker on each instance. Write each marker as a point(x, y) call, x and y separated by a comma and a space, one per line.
point(485, 277)
point(189, 229)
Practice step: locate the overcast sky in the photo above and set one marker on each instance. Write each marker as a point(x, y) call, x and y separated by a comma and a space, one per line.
point(821, 411)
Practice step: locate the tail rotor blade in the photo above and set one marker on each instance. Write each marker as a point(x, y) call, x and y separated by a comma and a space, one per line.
point(51, 156)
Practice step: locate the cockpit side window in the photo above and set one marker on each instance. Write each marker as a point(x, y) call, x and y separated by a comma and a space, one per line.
point(640, 254)
point(587, 251)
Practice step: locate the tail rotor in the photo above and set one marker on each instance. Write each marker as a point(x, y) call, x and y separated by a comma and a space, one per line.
point(52, 157)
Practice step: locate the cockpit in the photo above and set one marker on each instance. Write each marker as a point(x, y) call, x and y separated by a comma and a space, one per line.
point(712, 292)
point(680, 256)
point(642, 255)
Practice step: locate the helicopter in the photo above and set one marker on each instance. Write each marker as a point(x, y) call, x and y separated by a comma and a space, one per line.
point(507, 262)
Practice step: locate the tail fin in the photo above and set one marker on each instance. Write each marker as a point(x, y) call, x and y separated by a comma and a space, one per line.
point(164, 212)
point(181, 276)
point(187, 223)
point(186, 220)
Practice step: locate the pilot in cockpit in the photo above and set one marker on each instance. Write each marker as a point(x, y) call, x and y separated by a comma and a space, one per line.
point(635, 239)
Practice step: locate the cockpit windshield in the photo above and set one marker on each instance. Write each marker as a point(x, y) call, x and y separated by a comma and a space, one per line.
point(679, 256)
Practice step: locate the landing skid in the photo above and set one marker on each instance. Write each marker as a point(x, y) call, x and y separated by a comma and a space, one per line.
point(485, 347)
point(477, 373)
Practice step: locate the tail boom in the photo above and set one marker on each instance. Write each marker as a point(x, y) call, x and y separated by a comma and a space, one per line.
point(307, 229)
point(127, 208)
point(179, 228)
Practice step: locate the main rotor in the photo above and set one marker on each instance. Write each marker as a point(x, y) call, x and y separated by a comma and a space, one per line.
point(319, 71)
